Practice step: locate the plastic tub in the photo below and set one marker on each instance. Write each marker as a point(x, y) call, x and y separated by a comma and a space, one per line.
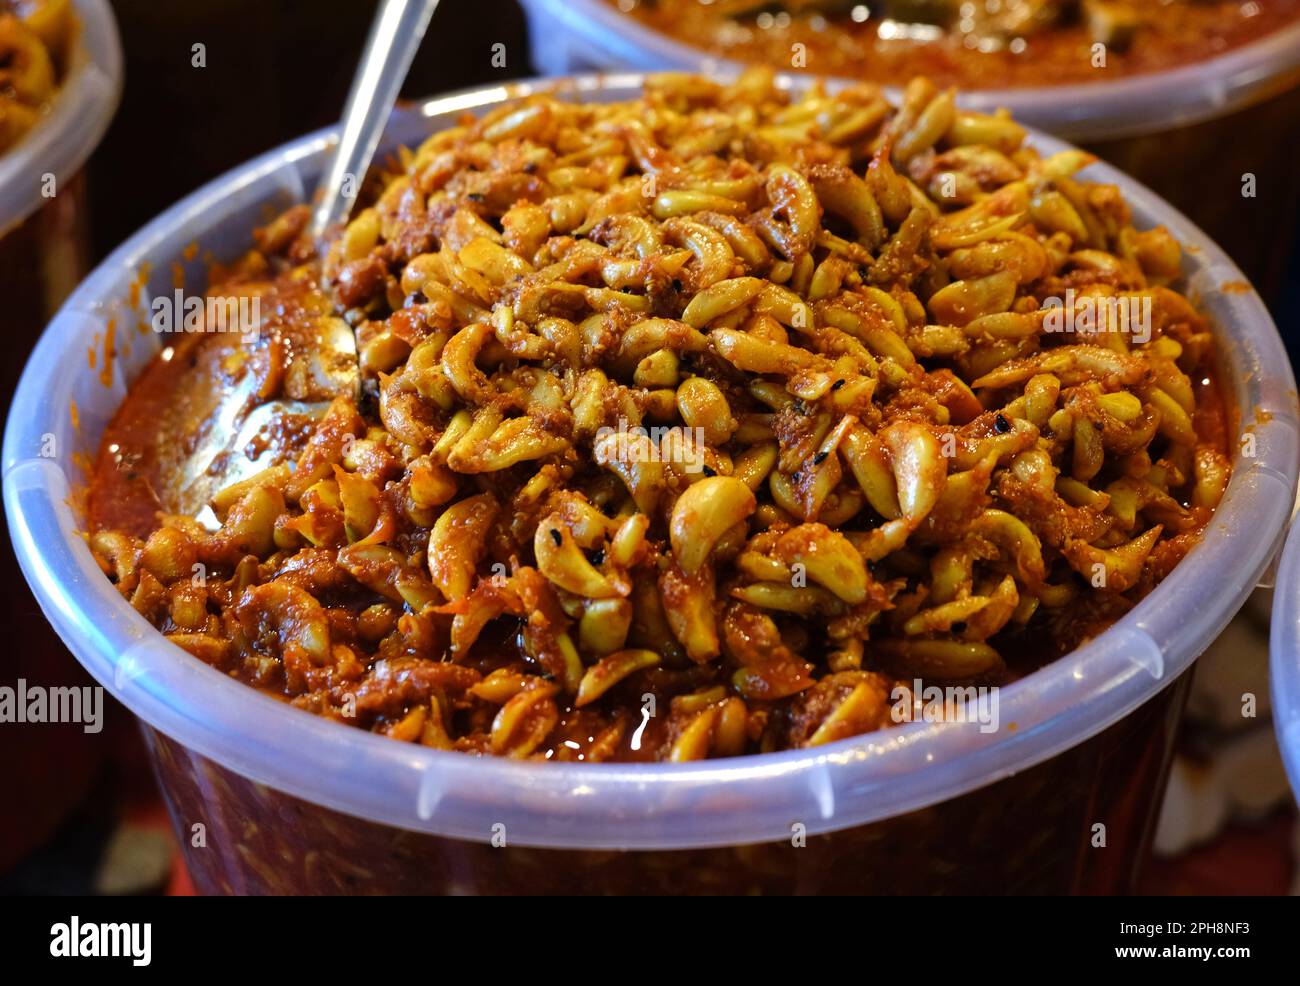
point(289, 802)
point(43, 241)
point(44, 252)
point(76, 120)
point(1284, 658)
point(1191, 133)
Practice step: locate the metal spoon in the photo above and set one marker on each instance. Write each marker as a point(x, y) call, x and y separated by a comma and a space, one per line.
point(395, 36)
point(322, 355)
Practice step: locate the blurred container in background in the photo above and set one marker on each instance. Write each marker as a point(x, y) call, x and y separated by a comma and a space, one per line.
point(1215, 138)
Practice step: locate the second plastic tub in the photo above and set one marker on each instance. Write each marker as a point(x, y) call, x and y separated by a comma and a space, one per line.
point(271, 799)
point(44, 246)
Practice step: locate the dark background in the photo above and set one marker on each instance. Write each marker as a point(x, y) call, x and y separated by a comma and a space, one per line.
point(275, 69)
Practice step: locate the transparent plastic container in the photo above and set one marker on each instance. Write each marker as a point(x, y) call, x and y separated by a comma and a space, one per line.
point(76, 120)
point(44, 245)
point(1284, 658)
point(44, 253)
point(1192, 133)
point(289, 802)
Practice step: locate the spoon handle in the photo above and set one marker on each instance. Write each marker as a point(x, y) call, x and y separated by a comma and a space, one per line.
point(395, 36)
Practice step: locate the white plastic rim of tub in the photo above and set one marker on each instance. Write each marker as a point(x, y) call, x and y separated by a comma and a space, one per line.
point(1284, 658)
point(74, 122)
point(570, 36)
point(622, 806)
